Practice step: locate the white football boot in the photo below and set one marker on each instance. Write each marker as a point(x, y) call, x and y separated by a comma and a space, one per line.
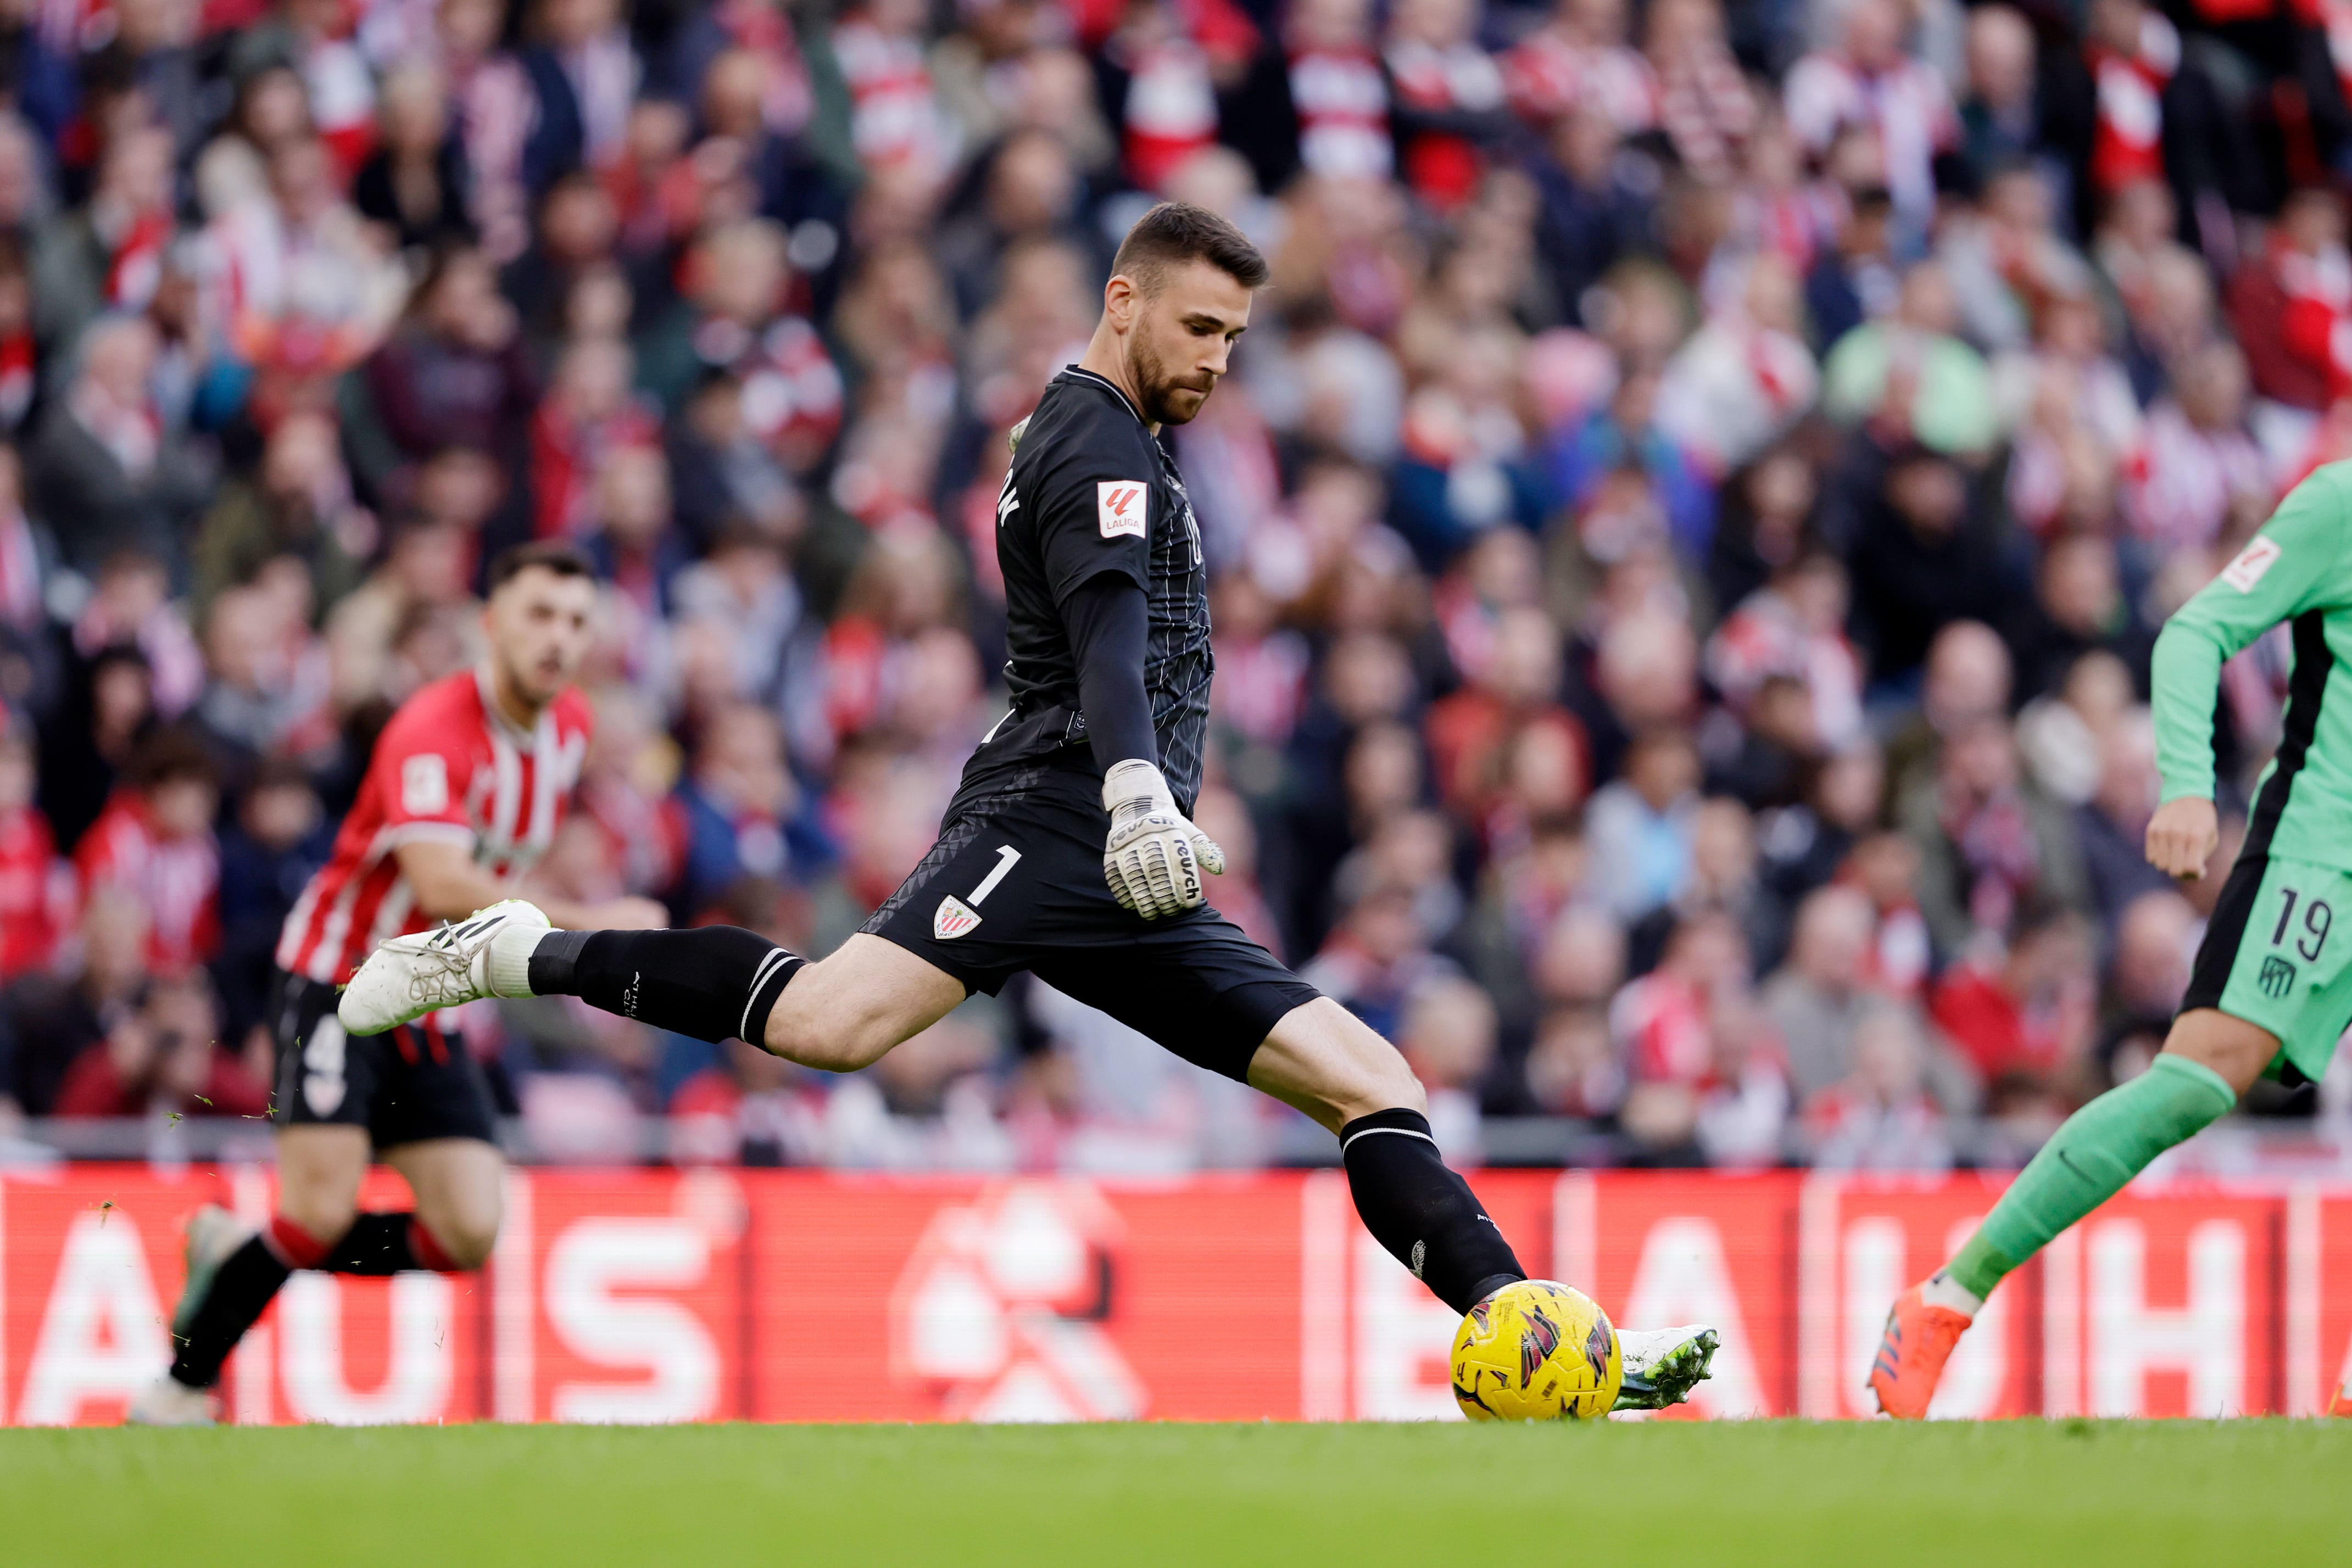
point(409, 977)
point(1663, 1365)
point(168, 1402)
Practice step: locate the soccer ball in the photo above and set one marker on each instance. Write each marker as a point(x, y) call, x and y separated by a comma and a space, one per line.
point(1536, 1350)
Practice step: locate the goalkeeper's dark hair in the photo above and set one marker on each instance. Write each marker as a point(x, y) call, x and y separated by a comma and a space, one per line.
point(1174, 233)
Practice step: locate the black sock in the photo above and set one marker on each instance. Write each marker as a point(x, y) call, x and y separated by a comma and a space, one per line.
point(375, 1244)
point(1426, 1216)
point(714, 982)
point(240, 1292)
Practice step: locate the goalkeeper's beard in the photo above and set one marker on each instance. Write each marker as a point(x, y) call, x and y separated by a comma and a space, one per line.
point(1158, 391)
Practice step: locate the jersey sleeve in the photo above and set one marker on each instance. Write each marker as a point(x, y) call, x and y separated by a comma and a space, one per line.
point(1094, 514)
point(421, 771)
point(2296, 563)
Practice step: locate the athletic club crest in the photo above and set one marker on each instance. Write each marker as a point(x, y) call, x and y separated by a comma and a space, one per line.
point(954, 918)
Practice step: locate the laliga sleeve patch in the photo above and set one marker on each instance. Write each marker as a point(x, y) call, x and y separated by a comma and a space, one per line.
point(2257, 558)
point(425, 784)
point(1118, 507)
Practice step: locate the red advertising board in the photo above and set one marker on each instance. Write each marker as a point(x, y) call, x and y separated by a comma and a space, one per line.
point(641, 1296)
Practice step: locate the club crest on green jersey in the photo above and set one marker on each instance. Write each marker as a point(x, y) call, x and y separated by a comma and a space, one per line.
point(2276, 978)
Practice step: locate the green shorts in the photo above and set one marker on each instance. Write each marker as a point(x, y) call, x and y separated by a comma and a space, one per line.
point(2272, 956)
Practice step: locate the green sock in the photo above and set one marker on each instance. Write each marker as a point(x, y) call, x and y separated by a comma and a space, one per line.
point(2088, 1160)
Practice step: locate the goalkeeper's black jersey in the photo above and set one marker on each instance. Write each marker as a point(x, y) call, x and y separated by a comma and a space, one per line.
point(1092, 490)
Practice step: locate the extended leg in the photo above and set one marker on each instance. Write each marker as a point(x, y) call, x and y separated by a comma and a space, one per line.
point(1326, 1061)
point(2208, 1060)
point(714, 983)
point(319, 1173)
point(721, 982)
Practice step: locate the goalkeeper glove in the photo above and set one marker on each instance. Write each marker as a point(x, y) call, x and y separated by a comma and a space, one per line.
point(1155, 856)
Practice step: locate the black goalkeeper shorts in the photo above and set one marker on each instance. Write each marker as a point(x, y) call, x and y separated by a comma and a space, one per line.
point(1017, 884)
point(404, 1085)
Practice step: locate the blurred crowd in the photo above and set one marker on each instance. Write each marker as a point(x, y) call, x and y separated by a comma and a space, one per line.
point(1688, 521)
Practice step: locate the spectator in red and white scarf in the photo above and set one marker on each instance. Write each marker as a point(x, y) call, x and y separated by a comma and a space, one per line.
point(2023, 1019)
point(303, 290)
point(2164, 291)
point(109, 254)
point(37, 887)
point(2132, 52)
point(155, 840)
point(1448, 97)
point(100, 460)
point(491, 104)
point(315, 37)
point(1989, 841)
point(589, 412)
point(2196, 464)
point(1775, 208)
point(1338, 90)
point(1579, 61)
point(1794, 627)
point(734, 318)
point(1661, 1022)
point(894, 119)
point(1164, 97)
point(1869, 80)
point(2292, 307)
point(1746, 376)
point(2006, 263)
point(1704, 104)
point(1881, 1115)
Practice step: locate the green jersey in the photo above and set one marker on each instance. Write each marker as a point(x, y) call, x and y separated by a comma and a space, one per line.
point(2298, 570)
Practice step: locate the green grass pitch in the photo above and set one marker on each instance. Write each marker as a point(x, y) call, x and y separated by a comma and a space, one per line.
point(2077, 1492)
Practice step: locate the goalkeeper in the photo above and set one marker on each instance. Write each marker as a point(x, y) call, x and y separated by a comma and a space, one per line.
point(1068, 850)
point(2271, 991)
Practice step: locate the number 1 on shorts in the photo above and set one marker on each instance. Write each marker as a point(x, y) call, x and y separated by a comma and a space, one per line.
point(1007, 857)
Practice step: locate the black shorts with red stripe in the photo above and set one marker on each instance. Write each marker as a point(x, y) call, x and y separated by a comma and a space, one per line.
point(406, 1085)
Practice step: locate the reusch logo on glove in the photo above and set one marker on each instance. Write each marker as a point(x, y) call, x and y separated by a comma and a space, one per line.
point(1119, 507)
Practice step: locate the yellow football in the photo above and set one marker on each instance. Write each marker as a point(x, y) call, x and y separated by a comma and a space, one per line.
point(1537, 1351)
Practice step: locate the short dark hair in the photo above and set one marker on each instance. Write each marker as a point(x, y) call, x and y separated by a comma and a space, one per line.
point(1176, 232)
point(171, 754)
point(560, 557)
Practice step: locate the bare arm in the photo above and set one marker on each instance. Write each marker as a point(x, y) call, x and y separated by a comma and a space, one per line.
point(450, 886)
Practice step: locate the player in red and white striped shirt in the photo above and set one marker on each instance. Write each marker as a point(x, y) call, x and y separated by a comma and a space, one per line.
point(463, 793)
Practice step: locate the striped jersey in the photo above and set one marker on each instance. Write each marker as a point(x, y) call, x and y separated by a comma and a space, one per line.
point(451, 767)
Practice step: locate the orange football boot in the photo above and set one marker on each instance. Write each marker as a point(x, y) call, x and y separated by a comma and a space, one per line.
point(2342, 1403)
point(1918, 1341)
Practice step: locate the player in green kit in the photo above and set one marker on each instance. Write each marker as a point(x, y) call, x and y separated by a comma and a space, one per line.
point(2273, 985)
